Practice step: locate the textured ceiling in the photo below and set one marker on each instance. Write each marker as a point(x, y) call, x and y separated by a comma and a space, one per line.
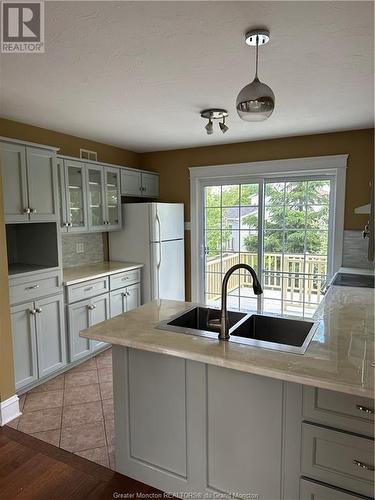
point(136, 74)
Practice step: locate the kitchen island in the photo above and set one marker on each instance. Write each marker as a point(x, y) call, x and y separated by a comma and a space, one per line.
point(202, 415)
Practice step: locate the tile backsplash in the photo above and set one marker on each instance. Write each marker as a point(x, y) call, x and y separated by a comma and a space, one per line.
point(93, 249)
point(355, 250)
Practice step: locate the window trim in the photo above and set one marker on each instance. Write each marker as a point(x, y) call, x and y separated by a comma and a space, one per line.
point(333, 166)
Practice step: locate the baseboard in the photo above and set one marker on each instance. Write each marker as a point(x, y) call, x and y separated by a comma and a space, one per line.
point(9, 410)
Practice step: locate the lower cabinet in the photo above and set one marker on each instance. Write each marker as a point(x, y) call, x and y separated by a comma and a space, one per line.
point(315, 491)
point(82, 315)
point(39, 341)
point(125, 299)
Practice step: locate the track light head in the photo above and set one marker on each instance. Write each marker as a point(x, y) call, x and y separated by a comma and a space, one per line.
point(209, 127)
point(214, 114)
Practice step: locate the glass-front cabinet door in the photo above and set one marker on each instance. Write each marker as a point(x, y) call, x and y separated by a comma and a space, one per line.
point(113, 198)
point(75, 182)
point(96, 198)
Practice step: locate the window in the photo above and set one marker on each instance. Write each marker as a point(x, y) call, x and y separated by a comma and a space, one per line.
point(281, 225)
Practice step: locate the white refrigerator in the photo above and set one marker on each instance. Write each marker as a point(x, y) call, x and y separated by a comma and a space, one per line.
point(153, 235)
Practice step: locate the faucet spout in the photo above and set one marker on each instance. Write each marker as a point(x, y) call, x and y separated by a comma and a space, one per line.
point(223, 323)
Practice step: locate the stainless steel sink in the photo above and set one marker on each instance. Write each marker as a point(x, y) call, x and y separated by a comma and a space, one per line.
point(195, 321)
point(258, 330)
point(273, 332)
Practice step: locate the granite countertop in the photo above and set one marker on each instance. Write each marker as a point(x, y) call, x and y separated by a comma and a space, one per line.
point(77, 274)
point(340, 356)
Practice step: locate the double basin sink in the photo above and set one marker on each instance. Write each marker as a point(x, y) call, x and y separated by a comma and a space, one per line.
point(270, 332)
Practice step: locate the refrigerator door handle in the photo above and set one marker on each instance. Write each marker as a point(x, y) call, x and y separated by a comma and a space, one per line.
point(159, 238)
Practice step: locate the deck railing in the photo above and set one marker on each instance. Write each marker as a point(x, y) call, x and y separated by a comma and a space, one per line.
point(298, 277)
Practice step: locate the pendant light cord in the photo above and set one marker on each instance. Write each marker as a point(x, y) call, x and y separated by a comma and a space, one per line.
point(256, 58)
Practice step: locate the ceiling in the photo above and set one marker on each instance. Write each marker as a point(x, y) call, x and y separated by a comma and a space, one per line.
point(137, 74)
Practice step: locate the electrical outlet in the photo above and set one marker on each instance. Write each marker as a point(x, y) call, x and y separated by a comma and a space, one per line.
point(80, 247)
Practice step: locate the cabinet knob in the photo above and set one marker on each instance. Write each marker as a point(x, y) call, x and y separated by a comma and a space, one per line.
point(33, 210)
point(26, 210)
point(91, 307)
point(32, 311)
point(38, 310)
point(70, 224)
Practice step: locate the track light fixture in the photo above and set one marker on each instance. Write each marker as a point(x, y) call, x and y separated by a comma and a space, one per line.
point(215, 114)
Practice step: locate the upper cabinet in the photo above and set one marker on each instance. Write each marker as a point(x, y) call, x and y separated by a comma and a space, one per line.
point(72, 190)
point(140, 184)
point(29, 183)
point(90, 198)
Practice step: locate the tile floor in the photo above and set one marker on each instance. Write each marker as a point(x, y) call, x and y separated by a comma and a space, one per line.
point(74, 411)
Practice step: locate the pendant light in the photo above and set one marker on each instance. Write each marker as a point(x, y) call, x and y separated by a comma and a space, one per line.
point(256, 101)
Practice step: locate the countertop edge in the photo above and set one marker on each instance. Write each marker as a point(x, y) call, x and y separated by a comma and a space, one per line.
point(236, 365)
point(100, 274)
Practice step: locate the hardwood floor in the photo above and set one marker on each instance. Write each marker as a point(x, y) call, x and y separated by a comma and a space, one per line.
point(33, 469)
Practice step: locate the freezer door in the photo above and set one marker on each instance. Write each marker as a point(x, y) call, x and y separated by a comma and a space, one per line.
point(168, 270)
point(166, 221)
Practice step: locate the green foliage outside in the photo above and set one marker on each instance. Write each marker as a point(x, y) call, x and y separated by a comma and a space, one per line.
point(296, 217)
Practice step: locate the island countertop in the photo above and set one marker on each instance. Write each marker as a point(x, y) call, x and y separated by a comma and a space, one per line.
point(340, 356)
point(78, 274)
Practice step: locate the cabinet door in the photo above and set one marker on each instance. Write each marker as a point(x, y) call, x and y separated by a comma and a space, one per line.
point(95, 195)
point(24, 344)
point(50, 334)
point(112, 198)
point(131, 183)
point(63, 214)
point(99, 311)
point(14, 178)
point(150, 185)
point(78, 315)
point(42, 184)
point(133, 296)
point(118, 302)
point(75, 177)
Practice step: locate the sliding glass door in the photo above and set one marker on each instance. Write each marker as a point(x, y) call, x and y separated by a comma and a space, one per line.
point(280, 227)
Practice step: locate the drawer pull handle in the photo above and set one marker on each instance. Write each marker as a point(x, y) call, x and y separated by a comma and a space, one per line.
point(88, 288)
point(370, 411)
point(361, 465)
point(125, 278)
point(91, 307)
point(33, 287)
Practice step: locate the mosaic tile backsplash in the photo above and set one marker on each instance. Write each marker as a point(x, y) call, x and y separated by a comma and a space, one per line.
point(93, 249)
point(355, 250)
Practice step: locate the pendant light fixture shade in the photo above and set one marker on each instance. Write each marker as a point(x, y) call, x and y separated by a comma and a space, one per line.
point(256, 101)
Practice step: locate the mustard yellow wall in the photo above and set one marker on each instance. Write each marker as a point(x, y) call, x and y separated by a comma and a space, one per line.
point(359, 144)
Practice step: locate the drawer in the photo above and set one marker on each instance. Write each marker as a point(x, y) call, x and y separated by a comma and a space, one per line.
point(335, 457)
point(87, 289)
point(124, 279)
point(309, 490)
point(24, 289)
point(343, 411)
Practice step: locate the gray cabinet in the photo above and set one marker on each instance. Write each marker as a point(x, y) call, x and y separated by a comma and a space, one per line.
point(73, 196)
point(42, 184)
point(50, 332)
point(95, 198)
point(24, 344)
point(29, 183)
point(78, 319)
point(82, 315)
point(125, 299)
point(39, 342)
point(112, 198)
point(98, 313)
point(139, 184)
point(14, 182)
